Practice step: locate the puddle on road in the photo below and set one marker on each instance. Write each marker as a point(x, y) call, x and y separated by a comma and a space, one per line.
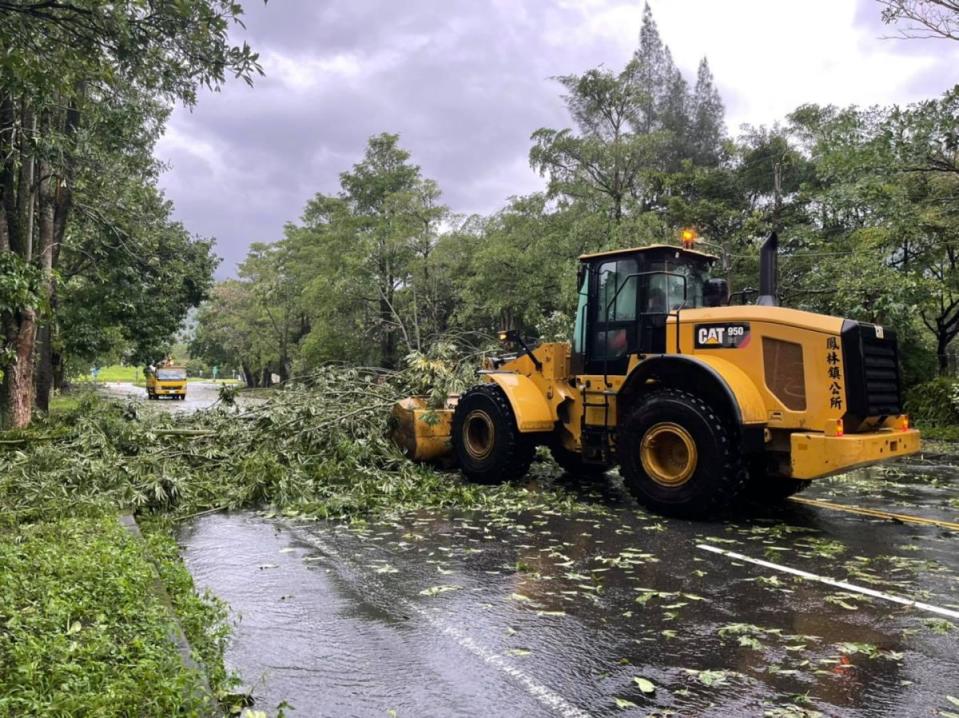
point(615, 612)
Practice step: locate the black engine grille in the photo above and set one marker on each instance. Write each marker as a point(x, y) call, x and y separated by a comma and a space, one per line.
point(872, 372)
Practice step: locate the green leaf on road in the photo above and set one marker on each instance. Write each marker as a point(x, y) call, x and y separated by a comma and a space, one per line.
point(708, 678)
point(646, 686)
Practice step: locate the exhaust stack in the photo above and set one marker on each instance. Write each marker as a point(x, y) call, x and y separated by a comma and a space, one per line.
point(768, 272)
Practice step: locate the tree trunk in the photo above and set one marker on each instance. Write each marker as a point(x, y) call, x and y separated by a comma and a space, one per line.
point(26, 202)
point(942, 345)
point(388, 339)
point(18, 199)
point(249, 377)
point(44, 374)
point(266, 377)
point(9, 228)
point(46, 251)
point(18, 373)
point(59, 371)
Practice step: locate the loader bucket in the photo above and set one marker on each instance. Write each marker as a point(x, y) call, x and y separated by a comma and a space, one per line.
point(423, 433)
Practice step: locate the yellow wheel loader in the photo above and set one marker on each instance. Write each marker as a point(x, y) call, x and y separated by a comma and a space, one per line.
point(697, 402)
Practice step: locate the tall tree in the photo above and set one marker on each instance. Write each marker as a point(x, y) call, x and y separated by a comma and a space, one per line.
point(232, 330)
point(708, 128)
point(884, 207)
point(370, 249)
point(651, 72)
point(633, 130)
point(61, 62)
point(603, 164)
point(271, 276)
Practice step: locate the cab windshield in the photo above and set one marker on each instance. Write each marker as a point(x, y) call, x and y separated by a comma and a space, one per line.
point(665, 293)
point(171, 374)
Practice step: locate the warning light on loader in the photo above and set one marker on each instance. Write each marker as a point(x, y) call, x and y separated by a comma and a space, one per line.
point(689, 237)
point(834, 428)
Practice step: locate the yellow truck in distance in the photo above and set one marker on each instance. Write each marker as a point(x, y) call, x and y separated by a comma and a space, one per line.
point(166, 380)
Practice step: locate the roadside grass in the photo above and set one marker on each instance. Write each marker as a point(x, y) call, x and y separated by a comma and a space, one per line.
point(64, 403)
point(83, 632)
point(113, 373)
point(134, 375)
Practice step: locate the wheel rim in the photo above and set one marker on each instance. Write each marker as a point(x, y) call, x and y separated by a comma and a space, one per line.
point(478, 434)
point(668, 453)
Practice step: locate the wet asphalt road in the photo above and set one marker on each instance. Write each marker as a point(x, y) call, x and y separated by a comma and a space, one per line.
point(612, 612)
point(199, 395)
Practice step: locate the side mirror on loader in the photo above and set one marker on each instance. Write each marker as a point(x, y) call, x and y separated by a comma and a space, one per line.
point(716, 292)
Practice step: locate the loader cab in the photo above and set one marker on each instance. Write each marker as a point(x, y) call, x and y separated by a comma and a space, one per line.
point(625, 298)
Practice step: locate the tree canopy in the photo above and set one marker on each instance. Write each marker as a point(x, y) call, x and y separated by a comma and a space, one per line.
point(85, 89)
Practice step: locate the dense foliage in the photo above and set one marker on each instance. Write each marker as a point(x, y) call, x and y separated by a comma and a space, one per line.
point(934, 403)
point(864, 200)
point(321, 450)
point(85, 88)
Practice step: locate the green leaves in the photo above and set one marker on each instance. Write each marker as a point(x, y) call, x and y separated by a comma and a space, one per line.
point(709, 678)
point(19, 284)
point(645, 685)
point(79, 589)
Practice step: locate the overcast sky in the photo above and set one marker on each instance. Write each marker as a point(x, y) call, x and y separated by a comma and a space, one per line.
point(465, 83)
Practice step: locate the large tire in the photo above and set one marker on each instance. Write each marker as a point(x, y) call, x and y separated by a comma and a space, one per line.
point(679, 456)
point(488, 445)
point(572, 462)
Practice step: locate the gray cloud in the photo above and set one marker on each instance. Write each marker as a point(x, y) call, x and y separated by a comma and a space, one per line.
point(464, 82)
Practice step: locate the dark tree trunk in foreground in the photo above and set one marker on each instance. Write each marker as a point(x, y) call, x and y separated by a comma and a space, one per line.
point(56, 201)
point(18, 377)
point(18, 204)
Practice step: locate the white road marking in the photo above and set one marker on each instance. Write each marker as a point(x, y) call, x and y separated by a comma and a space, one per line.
point(832, 582)
point(537, 690)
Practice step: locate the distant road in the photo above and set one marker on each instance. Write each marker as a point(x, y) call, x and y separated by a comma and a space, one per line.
point(199, 395)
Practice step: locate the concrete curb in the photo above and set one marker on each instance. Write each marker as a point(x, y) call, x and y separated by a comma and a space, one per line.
point(177, 636)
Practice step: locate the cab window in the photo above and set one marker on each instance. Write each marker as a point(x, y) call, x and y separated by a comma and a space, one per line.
point(617, 291)
point(667, 290)
point(579, 328)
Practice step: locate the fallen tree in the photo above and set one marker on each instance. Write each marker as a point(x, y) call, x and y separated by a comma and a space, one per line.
point(319, 449)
